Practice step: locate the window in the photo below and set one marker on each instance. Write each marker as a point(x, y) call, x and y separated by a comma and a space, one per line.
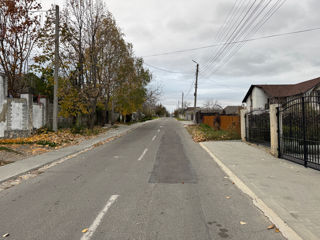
point(318, 96)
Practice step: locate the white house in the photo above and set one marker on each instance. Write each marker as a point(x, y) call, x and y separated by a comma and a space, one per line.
point(260, 96)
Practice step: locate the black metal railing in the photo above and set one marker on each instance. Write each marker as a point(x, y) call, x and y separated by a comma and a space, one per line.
point(258, 127)
point(299, 130)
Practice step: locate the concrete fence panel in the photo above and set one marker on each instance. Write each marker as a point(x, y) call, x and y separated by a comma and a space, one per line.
point(38, 116)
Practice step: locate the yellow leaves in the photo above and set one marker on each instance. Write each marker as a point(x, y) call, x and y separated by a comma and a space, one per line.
point(197, 135)
point(44, 139)
point(243, 223)
point(85, 230)
point(272, 226)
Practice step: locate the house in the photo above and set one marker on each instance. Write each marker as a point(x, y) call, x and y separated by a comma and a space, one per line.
point(232, 110)
point(261, 96)
point(189, 113)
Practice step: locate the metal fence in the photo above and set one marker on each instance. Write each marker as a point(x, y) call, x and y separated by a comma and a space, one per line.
point(299, 130)
point(258, 127)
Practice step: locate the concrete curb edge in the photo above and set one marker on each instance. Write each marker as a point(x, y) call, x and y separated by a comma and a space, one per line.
point(287, 231)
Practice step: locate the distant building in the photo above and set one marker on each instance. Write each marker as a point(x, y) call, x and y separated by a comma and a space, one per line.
point(232, 110)
point(189, 113)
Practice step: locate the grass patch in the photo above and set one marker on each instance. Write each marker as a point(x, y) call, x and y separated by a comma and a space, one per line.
point(203, 132)
point(9, 150)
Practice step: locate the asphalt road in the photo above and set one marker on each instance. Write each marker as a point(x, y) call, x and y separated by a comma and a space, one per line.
point(153, 183)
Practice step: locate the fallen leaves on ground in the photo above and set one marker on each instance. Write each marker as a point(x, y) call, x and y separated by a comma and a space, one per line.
point(6, 235)
point(85, 230)
point(272, 226)
point(203, 132)
point(277, 230)
point(228, 197)
point(44, 141)
point(243, 223)
point(52, 139)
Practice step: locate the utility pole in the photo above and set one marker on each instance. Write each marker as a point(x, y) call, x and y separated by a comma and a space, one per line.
point(56, 73)
point(182, 101)
point(195, 93)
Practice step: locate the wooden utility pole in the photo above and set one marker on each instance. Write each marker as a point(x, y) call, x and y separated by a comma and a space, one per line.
point(195, 93)
point(182, 101)
point(56, 73)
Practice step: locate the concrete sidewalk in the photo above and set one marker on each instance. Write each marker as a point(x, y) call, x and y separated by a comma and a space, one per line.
point(21, 167)
point(290, 191)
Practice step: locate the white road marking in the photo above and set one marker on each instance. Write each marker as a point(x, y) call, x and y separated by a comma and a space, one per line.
point(97, 221)
point(154, 138)
point(142, 155)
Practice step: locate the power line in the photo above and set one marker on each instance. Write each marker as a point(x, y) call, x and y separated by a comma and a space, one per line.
point(228, 56)
point(248, 31)
point(164, 70)
point(241, 41)
point(189, 90)
point(254, 30)
point(249, 13)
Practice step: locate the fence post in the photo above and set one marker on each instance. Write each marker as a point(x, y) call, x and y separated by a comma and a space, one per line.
point(305, 148)
point(243, 124)
point(274, 141)
point(279, 131)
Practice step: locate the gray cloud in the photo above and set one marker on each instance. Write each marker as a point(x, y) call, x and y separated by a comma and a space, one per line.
point(155, 26)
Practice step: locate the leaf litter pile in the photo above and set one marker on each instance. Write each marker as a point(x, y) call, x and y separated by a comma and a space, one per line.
point(203, 132)
point(42, 141)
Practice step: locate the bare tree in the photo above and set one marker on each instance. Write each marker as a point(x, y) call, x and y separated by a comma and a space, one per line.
point(212, 105)
point(19, 25)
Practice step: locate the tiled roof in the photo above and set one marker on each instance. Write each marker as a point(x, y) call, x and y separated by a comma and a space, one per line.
point(278, 91)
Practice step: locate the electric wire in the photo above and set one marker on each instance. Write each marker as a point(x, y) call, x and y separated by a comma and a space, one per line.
point(240, 41)
point(236, 17)
point(226, 50)
point(253, 31)
point(165, 70)
point(247, 16)
point(246, 27)
point(229, 36)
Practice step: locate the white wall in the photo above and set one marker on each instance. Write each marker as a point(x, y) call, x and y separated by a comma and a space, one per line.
point(38, 115)
point(3, 105)
point(17, 116)
point(259, 99)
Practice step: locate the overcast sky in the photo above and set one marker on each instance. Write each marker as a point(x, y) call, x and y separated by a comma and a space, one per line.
point(155, 27)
